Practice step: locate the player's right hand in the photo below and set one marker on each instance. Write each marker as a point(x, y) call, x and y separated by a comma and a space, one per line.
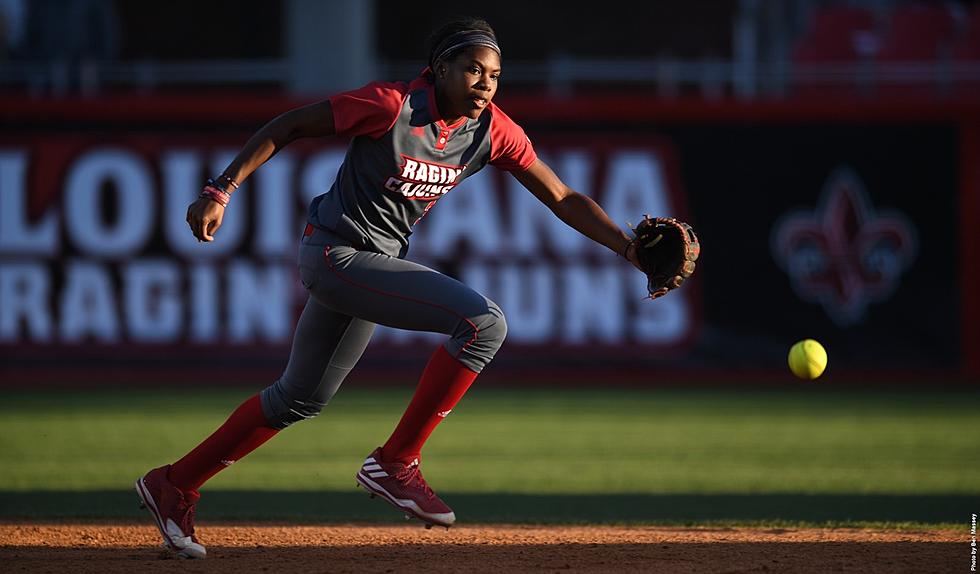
point(204, 216)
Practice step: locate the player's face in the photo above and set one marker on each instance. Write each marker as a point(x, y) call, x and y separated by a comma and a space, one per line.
point(466, 83)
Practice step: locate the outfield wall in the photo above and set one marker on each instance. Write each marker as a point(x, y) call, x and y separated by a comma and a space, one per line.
point(857, 226)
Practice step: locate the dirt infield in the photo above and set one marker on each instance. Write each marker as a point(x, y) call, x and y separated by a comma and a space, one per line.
point(37, 547)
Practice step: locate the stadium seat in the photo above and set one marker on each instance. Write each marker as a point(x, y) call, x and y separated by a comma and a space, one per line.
point(835, 35)
point(968, 46)
point(917, 39)
point(917, 32)
point(966, 59)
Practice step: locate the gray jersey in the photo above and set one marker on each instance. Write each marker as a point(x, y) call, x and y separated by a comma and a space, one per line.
point(403, 157)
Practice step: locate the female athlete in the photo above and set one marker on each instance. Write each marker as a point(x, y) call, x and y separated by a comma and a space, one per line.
point(411, 143)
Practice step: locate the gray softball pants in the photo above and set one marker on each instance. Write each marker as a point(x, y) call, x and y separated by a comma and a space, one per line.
point(351, 291)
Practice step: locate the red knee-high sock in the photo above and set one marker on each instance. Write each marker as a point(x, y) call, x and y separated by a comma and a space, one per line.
point(443, 383)
point(244, 431)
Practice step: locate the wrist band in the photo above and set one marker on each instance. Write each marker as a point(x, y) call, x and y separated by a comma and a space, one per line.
point(626, 250)
point(222, 182)
point(218, 195)
point(217, 189)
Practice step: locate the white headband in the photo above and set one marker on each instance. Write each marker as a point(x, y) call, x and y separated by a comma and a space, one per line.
point(461, 40)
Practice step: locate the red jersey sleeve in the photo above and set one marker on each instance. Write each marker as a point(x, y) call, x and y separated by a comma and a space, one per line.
point(368, 111)
point(510, 148)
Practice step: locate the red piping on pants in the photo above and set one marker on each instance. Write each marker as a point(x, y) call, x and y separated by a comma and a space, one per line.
point(476, 331)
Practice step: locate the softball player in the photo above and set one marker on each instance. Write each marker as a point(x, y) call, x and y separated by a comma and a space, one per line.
point(411, 144)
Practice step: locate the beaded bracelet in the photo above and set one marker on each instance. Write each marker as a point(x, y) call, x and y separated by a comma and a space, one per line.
point(222, 182)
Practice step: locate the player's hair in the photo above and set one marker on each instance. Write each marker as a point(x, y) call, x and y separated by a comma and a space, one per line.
point(456, 26)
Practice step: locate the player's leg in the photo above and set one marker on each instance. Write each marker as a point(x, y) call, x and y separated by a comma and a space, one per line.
point(406, 295)
point(326, 345)
point(325, 349)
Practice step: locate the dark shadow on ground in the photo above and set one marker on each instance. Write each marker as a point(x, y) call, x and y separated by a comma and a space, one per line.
point(802, 557)
point(337, 507)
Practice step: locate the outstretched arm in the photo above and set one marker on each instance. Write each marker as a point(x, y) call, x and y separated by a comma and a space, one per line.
point(575, 209)
point(204, 215)
point(309, 121)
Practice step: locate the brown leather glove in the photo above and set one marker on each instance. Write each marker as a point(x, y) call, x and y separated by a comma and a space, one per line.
point(666, 250)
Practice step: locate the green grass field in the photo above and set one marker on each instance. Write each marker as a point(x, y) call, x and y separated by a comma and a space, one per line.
point(807, 455)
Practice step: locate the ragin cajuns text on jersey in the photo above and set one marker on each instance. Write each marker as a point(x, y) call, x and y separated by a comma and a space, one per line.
point(423, 180)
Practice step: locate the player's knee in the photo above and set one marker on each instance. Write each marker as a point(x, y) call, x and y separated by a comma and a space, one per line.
point(282, 409)
point(480, 336)
point(494, 330)
point(486, 331)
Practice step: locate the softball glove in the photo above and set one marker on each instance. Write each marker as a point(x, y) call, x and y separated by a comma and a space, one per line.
point(666, 250)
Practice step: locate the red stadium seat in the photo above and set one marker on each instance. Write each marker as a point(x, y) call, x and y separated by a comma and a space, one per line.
point(834, 34)
point(917, 32)
point(917, 38)
point(966, 59)
point(968, 47)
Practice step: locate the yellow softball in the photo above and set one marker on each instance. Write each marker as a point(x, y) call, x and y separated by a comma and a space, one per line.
point(807, 359)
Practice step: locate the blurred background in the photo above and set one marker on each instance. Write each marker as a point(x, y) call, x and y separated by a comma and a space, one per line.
point(827, 152)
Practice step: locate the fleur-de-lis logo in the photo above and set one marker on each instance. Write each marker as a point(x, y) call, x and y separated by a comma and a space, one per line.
point(844, 254)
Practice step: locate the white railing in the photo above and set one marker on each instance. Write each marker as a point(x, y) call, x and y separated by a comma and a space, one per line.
point(560, 76)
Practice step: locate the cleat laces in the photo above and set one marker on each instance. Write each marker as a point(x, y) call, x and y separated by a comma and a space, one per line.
point(411, 476)
point(185, 512)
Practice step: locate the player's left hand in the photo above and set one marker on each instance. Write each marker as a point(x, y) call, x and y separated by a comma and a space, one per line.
point(665, 249)
point(204, 217)
point(633, 257)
